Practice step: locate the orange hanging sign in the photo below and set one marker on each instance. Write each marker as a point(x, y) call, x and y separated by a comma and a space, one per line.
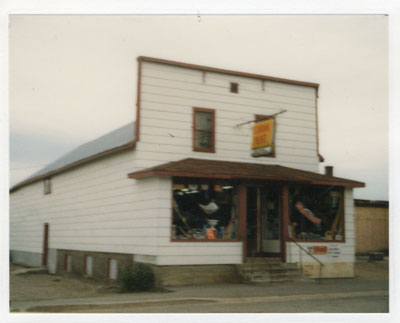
point(263, 134)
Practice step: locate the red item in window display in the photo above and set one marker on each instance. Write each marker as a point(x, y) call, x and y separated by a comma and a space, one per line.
point(307, 213)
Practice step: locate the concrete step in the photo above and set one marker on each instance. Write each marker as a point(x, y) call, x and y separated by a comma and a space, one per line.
point(261, 271)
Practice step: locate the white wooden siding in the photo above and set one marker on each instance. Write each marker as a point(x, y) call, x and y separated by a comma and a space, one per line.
point(169, 93)
point(95, 207)
point(347, 249)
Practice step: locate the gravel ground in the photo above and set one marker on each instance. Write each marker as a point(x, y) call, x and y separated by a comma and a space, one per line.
point(365, 269)
point(44, 286)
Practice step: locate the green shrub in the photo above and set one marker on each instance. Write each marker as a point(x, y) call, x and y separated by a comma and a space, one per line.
point(139, 278)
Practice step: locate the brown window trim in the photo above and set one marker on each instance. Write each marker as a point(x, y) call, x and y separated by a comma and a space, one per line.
point(342, 225)
point(184, 180)
point(319, 241)
point(212, 148)
point(234, 87)
point(268, 117)
point(204, 240)
point(47, 186)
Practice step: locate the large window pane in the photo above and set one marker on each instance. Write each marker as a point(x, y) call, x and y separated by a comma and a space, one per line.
point(316, 212)
point(204, 211)
point(203, 121)
point(203, 139)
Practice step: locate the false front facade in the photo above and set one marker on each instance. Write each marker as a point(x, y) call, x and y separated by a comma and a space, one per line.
point(220, 167)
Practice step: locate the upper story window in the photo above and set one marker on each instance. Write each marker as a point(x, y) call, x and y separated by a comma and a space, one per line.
point(47, 186)
point(234, 87)
point(204, 130)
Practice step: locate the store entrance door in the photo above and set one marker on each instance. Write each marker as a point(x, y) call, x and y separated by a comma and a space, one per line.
point(263, 221)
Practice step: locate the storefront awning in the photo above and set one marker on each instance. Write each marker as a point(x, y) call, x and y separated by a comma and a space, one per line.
point(203, 168)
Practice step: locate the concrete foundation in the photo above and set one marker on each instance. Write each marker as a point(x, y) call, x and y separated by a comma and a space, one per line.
point(329, 270)
point(25, 258)
point(165, 275)
point(100, 263)
point(195, 275)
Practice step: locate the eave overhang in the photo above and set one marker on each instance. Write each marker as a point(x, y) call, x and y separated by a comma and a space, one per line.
point(202, 168)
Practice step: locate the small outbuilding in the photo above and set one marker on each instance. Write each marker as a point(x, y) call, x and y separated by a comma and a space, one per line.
point(371, 226)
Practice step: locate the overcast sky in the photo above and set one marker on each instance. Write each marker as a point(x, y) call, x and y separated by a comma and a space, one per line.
point(73, 78)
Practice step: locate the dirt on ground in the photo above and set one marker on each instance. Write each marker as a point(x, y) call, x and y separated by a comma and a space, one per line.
point(365, 269)
point(40, 286)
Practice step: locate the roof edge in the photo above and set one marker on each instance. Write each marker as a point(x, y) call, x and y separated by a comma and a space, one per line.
point(74, 164)
point(224, 71)
point(155, 171)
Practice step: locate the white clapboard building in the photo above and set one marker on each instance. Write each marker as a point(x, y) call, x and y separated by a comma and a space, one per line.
point(219, 170)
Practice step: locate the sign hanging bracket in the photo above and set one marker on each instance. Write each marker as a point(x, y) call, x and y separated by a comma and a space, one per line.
point(266, 118)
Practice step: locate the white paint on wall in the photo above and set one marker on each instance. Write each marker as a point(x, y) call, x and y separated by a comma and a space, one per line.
point(96, 207)
point(169, 94)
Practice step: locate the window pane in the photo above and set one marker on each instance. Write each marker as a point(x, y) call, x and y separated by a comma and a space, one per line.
point(113, 267)
point(203, 139)
point(203, 121)
point(68, 262)
point(89, 265)
point(204, 211)
point(316, 212)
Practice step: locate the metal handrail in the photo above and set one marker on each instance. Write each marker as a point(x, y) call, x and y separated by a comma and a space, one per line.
point(307, 252)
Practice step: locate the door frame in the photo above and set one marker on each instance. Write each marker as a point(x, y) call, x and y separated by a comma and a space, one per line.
point(283, 200)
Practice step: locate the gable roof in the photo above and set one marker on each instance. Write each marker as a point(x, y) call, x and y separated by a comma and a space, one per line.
point(203, 168)
point(117, 140)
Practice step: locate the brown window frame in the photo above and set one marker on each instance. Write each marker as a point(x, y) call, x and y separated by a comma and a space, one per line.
point(47, 186)
point(194, 130)
point(267, 117)
point(194, 180)
point(234, 87)
point(342, 224)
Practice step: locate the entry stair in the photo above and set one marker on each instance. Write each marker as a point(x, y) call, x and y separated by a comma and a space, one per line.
point(269, 270)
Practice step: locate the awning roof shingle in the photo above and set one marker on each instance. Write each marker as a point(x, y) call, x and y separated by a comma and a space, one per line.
point(203, 168)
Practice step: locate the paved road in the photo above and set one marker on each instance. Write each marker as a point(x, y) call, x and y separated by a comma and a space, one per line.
point(360, 304)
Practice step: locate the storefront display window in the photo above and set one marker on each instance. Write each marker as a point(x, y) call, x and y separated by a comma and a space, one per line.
point(316, 213)
point(204, 211)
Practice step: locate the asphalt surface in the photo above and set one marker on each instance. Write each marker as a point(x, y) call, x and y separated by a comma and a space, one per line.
point(325, 304)
point(367, 293)
point(329, 296)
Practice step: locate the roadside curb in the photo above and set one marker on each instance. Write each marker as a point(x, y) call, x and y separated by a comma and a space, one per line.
point(59, 308)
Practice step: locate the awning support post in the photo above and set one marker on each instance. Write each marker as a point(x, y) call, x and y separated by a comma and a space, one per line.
point(242, 218)
point(285, 219)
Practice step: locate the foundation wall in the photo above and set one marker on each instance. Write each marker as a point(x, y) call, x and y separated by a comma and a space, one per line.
point(33, 259)
point(328, 270)
point(195, 275)
point(100, 263)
